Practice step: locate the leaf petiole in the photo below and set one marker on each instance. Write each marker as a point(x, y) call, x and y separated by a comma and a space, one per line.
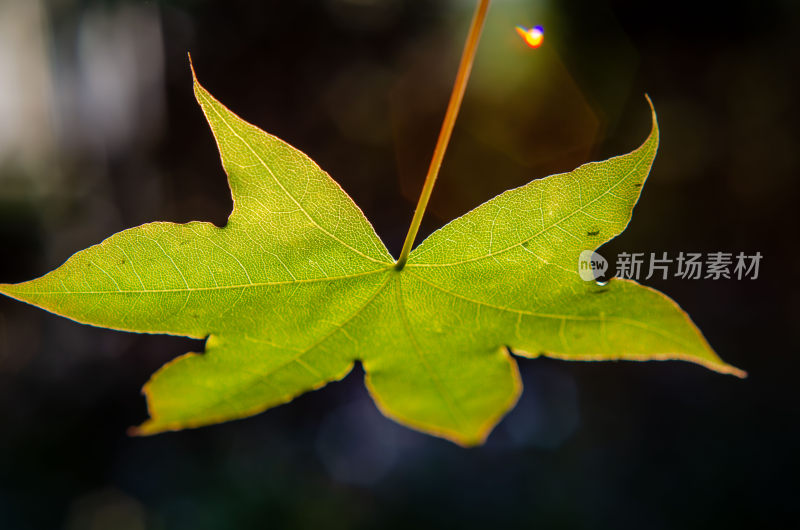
point(456, 96)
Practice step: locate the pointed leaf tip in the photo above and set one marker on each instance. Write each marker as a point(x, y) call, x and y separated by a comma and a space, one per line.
point(732, 370)
point(146, 429)
point(191, 67)
point(134, 431)
point(652, 111)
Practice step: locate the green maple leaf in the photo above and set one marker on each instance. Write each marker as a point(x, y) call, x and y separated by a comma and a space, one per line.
point(297, 287)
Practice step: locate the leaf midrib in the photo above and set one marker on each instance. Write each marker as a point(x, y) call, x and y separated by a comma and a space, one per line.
point(194, 289)
point(450, 403)
point(602, 318)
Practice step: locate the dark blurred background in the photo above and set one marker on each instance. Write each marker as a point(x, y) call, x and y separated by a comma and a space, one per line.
point(99, 131)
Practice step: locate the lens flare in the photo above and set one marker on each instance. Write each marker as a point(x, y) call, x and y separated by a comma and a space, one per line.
point(533, 37)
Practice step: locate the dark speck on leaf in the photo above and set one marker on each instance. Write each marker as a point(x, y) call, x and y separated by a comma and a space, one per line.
point(593, 233)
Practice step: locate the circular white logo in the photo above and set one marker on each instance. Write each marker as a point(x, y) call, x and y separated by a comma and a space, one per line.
point(591, 265)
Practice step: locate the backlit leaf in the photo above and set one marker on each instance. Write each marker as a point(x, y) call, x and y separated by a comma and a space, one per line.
point(297, 287)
